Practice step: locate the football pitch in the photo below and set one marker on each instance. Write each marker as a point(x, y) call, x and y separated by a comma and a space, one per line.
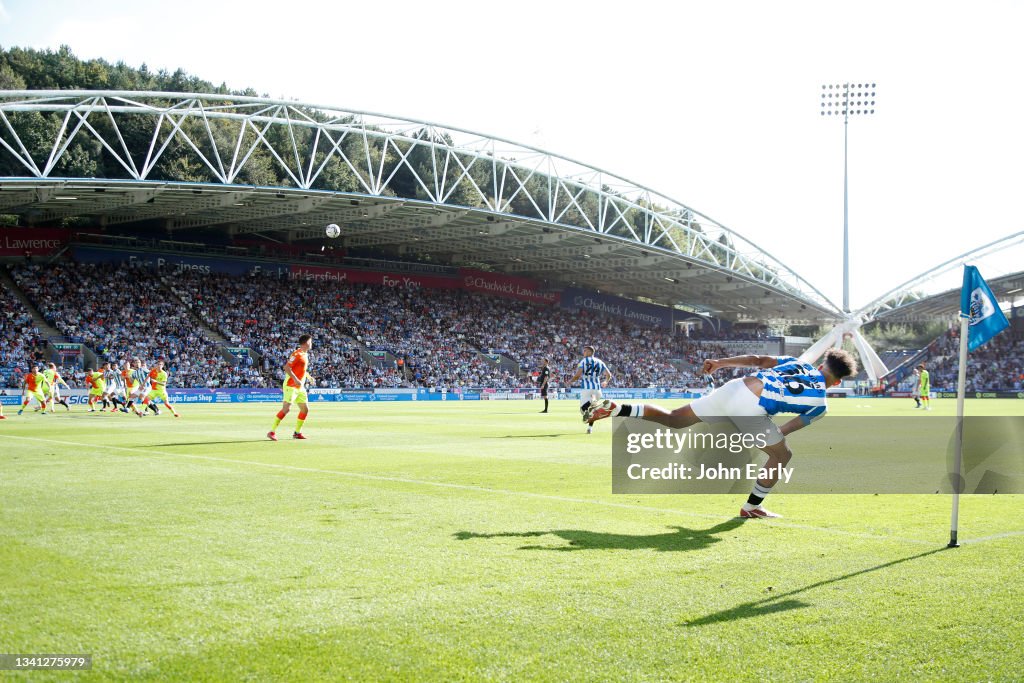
point(477, 540)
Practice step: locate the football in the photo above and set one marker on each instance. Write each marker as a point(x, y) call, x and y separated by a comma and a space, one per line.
point(333, 230)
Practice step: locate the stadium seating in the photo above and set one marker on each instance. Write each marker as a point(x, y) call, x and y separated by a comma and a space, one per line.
point(120, 314)
point(20, 342)
point(429, 337)
point(996, 366)
point(440, 335)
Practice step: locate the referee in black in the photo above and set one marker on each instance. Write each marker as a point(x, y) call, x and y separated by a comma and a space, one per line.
point(542, 380)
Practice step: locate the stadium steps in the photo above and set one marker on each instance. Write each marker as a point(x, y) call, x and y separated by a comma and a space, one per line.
point(388, 360)
point(47, 330)
point(211, 331)
point(503, 363)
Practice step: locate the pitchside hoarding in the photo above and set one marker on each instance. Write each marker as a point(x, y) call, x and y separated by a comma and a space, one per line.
point(635, 311)
point(371, 277)
point(32, 241)
point(166, 261)
point(508, 286)
point(496, 284)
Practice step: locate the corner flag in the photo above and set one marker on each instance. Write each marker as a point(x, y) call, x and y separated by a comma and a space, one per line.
point(980, 320)
point(979, 306)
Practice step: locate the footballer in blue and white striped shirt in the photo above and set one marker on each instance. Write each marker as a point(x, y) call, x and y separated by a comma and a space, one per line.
point(593, 375)
point(783, 384)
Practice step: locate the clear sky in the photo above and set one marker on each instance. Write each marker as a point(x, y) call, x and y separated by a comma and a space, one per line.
point(715, 104)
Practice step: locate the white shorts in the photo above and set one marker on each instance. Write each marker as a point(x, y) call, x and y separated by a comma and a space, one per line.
point(734, 402)
point(588, 395)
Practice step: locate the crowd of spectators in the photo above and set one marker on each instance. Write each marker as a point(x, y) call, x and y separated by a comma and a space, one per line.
point(20, 342)
point(429, 337)
point(365, 335)
point(123, 314)
point(996, 366)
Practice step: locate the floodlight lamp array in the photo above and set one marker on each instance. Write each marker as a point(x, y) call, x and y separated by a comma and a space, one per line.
point(848, 99)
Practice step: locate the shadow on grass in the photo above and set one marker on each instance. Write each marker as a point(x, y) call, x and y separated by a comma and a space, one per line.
point(674, 541)
point(527, 436)
point(204, 443)
point(784, 601)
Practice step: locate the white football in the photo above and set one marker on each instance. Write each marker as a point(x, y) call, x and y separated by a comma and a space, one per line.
point(333, 230)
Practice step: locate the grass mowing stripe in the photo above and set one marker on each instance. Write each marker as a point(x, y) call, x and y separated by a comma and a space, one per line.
point(480, 489)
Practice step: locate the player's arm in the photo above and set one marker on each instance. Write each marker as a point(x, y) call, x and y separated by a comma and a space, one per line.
point(801, 421)
point(749, 361)
point(288, 371)
point(576, 377)
point(607, 377)
point(793, 425)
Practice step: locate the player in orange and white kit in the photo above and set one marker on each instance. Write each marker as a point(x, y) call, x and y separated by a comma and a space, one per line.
point(295, 387)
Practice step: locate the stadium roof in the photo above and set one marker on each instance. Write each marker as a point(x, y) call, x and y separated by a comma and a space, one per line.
point(414, 189)
point(936, 292)
point(458, 236)
point(947, 304)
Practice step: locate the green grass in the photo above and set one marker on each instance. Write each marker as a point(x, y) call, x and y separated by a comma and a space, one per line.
point(472, 541)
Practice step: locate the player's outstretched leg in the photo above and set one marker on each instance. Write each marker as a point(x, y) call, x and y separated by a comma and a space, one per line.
point(778, 455)
point(677, 419)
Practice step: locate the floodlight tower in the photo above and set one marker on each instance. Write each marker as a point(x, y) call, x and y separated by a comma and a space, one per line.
point(847, 99)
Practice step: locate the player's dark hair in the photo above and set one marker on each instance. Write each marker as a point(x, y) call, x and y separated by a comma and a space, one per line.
point(840, 363)
point(305, 338)
point(592, 350)
point(921, 366)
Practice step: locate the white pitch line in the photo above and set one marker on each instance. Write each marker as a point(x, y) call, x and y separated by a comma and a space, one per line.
point(993, 537)
point(484, 489)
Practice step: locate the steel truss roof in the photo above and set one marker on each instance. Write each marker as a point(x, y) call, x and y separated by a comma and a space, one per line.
point(415, 187)
point(912, 302)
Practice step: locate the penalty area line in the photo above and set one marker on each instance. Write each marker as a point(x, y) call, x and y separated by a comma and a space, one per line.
point(480, 489)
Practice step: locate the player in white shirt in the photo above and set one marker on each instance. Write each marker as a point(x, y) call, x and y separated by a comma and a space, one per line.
point(114, 391)
point(782, 385)
point(593, 375)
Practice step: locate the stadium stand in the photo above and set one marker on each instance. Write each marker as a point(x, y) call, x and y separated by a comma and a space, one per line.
point(121, 314)
point(20, 342)
point(440, 337)
point(996, 366)
point(434, 338)
point(366, 335)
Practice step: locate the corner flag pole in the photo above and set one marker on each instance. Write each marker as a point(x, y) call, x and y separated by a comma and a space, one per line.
point(961, 390)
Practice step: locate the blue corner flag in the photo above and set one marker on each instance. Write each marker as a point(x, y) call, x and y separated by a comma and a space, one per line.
point(979, 305)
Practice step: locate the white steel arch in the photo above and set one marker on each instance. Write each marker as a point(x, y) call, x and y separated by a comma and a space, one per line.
point(224, 135)
point(911, 291)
